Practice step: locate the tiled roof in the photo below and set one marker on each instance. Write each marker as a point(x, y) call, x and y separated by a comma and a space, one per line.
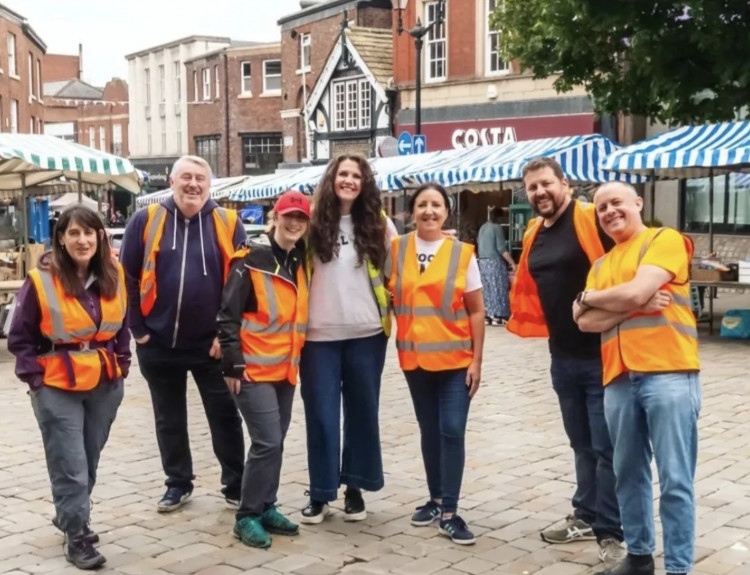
point(72, 90)
point(375, 46)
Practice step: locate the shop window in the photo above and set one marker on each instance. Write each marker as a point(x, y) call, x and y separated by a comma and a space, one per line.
point(208, 149)
point(271, 76)
point(495, 64)
point(731, 205)
point(261, 153)
point(436, 47)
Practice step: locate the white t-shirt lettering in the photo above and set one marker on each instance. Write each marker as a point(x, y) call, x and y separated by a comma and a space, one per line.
point(426, 253)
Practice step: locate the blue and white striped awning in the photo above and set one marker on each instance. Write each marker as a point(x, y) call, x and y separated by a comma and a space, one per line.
point(269, 186)
point(688, 152)
point(220, 188)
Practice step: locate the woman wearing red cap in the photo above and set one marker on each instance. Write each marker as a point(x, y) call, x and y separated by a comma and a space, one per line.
point(262, 325)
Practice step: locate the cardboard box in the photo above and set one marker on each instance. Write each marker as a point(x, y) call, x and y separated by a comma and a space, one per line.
point(704, 275)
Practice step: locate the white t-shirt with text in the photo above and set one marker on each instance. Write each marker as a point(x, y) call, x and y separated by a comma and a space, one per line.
point(426, 253)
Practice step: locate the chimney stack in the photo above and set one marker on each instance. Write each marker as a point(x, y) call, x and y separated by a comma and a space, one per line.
point(80, 61)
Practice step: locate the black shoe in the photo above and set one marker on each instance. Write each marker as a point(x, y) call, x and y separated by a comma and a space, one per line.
point(632, 565)
point(314, 512)
point(354, 505)
point(81, 553)
point(173, 499)
point(426, 514)
point(89, 534)
point(456, 528)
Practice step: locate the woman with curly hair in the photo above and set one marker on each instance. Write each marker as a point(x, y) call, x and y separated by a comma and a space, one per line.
point(348, 328)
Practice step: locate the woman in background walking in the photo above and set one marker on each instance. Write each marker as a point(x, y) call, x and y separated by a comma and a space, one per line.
point(494, 260)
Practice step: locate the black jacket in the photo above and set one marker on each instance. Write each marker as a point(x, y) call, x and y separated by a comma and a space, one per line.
point(239, 295)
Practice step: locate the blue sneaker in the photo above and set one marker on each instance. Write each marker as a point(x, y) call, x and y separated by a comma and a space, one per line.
point(173, 499)
point(456, 528)
point(426, 514)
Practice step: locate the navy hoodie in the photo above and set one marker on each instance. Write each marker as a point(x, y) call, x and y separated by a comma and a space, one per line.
point(189, 277)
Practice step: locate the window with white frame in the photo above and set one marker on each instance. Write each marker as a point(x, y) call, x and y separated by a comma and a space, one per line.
point(195, 86)
point(352, 106)
point(351, 101)
point(179, 140)
point(177, 81)
point(365, 102)
point(261, 153)
point(14, 116)
point(147, 84)
point(271, 76)
point(39, 79)
point(495, 64)
point(436, 46)
point(246, 70)
point(102, 139)
point(92, 137)
point(206, 83)
point(339, 106)
point(163, 138)
point(39, 129)
point(117, 139)
point(208, 149)
point(162, 78)
point(217, 90)
point(31, 79)
point(32, 124)
point(305, 43)
point(12, 68)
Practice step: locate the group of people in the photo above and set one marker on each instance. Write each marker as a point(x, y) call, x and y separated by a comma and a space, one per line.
point(248, 320)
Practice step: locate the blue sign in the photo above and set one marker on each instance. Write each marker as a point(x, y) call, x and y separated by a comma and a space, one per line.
point(419, 145)
point(404, 144)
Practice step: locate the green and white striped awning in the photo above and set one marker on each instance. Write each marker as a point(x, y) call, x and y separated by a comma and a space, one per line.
point(33, 159)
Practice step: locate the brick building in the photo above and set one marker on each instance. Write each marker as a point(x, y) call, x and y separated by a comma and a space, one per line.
point(234, 104)
point(21, 53)
point(59, 67)
point(307, 40)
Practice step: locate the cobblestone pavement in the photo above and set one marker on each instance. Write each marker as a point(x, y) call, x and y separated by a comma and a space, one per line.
point(518, 480)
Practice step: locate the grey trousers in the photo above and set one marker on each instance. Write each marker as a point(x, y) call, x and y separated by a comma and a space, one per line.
point(267, 411)
point(75, 426)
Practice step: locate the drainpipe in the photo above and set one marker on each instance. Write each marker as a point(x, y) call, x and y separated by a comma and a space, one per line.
point(226, 111)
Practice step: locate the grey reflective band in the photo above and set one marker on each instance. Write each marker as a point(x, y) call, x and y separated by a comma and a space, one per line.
point(450, 280)
point(273, 309)
point(110, 326)
point(428, 311)
point(224, 216)
point(154, 226)
point(266, 360)
point(257, 327)
point(300, 327)
point(402, 246)
point(682, 300)
point(434, 346)
point(376, 281)
point(598, 264)
point(59, 331)
point(649, 321)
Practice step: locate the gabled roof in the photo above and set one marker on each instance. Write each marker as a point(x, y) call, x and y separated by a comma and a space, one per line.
point(72, 90)
point(371, 50)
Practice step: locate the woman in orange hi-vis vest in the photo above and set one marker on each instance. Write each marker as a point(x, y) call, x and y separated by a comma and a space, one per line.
point(72, 348)
point(262, 327)
point(439, 309)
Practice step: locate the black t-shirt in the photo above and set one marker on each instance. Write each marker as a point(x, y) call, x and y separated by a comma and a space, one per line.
point(559, 267)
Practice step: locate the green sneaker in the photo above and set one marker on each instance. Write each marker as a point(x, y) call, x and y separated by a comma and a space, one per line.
point(275, 522)
point(250, 531)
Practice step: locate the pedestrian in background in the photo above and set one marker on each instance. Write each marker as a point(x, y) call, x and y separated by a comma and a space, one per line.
point(176, 257)
point(72, 348)
point(638, 297)
point(439, 311)
point(262, 325)
point(494, 261)
point(348, 329)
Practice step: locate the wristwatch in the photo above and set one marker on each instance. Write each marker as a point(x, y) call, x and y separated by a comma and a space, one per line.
point(580, 299)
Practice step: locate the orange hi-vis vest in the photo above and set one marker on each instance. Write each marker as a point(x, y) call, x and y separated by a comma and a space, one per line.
point(272, 337)
point(661, 342)
point(80, 349)
point(225, 222)
point(527, 317)
point(434, 332)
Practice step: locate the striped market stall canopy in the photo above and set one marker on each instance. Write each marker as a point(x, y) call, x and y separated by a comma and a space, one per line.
point(263, 187)
point(220, 188)
point(28, 160)
point(688, 152)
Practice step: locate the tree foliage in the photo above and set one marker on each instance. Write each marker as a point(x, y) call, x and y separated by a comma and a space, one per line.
point(665, 60)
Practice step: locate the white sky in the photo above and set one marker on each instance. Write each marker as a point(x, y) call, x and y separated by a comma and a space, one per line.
point(109, 29)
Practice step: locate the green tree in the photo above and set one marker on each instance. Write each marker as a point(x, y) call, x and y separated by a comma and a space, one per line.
point(669, 61)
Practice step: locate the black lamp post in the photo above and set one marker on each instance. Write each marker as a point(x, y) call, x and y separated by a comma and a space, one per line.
point(418, 33)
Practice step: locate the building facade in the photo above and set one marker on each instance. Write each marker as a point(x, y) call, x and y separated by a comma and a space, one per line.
point(21, 73)
point(233, 109)
point(158, 97)
point(308, 38)
point(470, 96)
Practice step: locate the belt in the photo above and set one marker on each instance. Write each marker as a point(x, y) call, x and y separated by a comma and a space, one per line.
point(64, 350)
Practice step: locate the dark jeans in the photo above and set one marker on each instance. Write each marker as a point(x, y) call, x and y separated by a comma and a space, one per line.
point(332, 371)
point(441, 404)
point(75, 426)
point(578, 384)
point(166, 371)
point(267, 411)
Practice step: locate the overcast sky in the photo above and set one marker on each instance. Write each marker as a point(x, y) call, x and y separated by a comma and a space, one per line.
point(109, 29)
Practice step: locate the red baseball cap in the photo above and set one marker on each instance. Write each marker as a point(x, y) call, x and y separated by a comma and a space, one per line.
point(292, 201)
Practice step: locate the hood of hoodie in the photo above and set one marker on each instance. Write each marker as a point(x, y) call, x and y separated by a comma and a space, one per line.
point(207, 208)
point(45, 260)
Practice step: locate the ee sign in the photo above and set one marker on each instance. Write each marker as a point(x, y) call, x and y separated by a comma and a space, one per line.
point(474, 137)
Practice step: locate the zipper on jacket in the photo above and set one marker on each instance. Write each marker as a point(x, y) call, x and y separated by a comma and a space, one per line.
point(282, 278)
point(182, 281)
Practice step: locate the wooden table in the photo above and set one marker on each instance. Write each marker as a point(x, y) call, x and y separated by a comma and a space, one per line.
point(712, 287)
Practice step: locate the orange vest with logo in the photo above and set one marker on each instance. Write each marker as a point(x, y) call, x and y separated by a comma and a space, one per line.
point(661, 342)
point(225, 222)
point(434, 332)
point(272, 337)
point(527, 318)
point(79, 346)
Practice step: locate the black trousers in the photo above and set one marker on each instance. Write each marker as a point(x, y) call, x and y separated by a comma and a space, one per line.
point(166, 370)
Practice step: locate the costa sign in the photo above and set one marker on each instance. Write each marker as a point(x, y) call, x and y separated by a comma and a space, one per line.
point(474, 137)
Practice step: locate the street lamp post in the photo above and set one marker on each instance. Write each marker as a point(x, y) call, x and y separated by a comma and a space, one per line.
point(418, 33)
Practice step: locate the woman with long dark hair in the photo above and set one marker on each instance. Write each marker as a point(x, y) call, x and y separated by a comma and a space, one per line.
point(72, 348)
point(348, 329)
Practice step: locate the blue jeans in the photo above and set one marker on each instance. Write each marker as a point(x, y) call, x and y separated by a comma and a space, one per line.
point(441, 404)
point(656, 411)
point(578, 384)
point(329, 372)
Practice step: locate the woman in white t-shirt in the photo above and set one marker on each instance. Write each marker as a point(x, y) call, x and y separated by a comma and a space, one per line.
point(348, 328)
point(439, 308)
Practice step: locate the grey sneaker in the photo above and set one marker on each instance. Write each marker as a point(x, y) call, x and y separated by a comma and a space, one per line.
point(573, 529)
point(611, 552)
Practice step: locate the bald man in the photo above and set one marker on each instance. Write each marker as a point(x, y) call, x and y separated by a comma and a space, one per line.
point(638, 297)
